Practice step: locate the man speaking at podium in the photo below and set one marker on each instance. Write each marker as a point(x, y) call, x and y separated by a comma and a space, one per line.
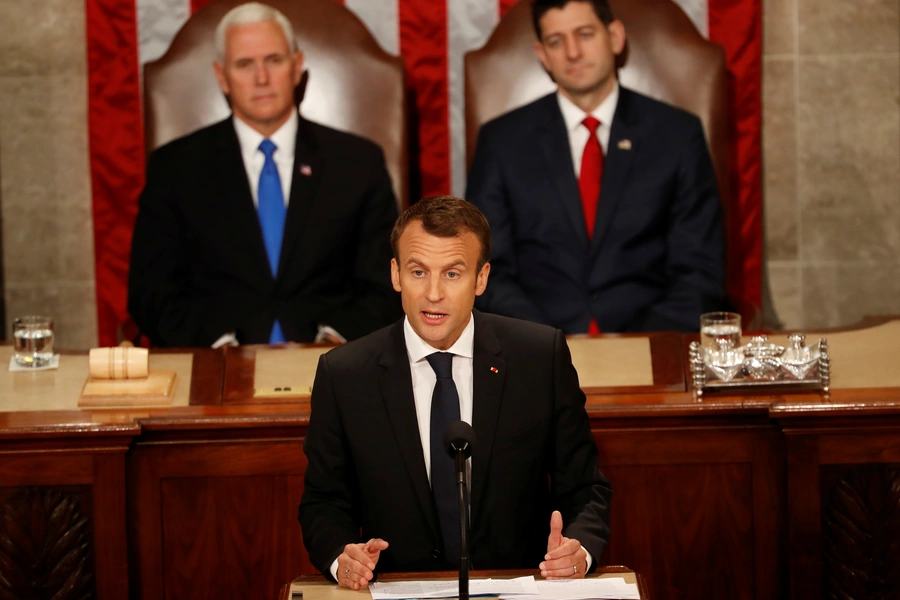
point(379, 487)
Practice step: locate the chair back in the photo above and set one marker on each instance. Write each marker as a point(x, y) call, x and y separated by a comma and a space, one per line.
point(350, 82)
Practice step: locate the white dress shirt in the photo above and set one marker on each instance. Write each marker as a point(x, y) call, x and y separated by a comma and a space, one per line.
point(578, 133)
point(284, 139)
point(424, 379)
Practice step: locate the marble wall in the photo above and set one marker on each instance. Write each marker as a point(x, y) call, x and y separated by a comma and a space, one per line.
point(831, 162)
point(831, 141)
point(48, 256)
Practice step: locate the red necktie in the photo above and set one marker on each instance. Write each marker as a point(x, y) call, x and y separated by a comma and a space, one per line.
point(591, 174)
point(589, 185)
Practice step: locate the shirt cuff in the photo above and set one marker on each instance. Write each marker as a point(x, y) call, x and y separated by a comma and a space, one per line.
point(327, 330)
point(333, 569)
point(587, 568)
point(227, 339)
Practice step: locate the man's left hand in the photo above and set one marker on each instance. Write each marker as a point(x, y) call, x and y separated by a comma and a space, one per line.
point(565, 558)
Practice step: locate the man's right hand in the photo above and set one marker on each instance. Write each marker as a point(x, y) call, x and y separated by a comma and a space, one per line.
point(356, 564)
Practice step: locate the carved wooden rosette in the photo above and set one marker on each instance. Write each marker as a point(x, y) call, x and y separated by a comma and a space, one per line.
point(861, 531)
point(45, 544)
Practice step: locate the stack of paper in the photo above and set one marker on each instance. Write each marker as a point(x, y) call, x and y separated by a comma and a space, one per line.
point(404, 590)
point(520, 588)
point(581, 589)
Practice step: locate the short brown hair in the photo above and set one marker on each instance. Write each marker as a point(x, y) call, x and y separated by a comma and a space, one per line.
point(446, 216)
point(540, 7)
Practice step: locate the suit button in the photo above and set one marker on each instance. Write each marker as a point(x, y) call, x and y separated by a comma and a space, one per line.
point(594, 296)
point(436, 554)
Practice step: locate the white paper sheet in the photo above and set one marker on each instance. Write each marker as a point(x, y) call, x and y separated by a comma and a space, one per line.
point(520, 587)
point(581, 589)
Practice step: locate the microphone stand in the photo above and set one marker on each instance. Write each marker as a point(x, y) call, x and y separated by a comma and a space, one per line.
point(463, 522)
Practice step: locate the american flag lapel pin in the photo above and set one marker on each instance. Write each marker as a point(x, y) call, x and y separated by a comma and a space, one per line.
point(624, 145)
point(494, 370)
point(305, 170)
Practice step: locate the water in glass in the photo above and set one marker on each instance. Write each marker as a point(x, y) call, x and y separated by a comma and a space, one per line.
point(34, 347)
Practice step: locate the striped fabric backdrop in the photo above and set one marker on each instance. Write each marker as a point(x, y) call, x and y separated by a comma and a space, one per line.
point(432, 36)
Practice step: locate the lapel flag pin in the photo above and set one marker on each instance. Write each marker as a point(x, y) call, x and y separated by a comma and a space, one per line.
point(494, 370)
point(624, 145)
point(305, 170)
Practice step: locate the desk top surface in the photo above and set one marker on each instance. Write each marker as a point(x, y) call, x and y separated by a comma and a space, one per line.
point(218, 388)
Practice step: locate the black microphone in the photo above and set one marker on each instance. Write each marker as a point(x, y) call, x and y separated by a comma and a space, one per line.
point(459, 437)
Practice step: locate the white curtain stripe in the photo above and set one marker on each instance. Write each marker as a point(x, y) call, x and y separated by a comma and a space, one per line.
point(157, 23)
point(469, 23)
point(382, 17)
point(698, 12)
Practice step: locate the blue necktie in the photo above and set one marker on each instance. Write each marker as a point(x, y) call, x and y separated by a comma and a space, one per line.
point(271, 218)
point(444, 410)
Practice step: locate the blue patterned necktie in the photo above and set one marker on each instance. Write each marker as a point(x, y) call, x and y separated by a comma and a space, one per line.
point(444, 410)
point(271, 212)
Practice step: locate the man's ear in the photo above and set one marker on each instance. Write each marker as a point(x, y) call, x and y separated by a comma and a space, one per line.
point(221, 78)
point(481, 279)
point(541, 55)
point(298, 67)
point(395, 275)
point(617, 36)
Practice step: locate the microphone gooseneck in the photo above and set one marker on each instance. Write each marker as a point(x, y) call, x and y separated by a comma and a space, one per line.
point(459, 438)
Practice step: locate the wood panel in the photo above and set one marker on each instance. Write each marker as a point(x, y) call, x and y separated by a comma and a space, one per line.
point(689, 496)
point(228, 521)
point(63, 514)
point(861, 530)
point(672, 518)
point(199, 510)
point(843, 505)
point(46, 546)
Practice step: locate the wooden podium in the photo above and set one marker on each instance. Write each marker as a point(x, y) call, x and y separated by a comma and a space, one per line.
point(316, 587)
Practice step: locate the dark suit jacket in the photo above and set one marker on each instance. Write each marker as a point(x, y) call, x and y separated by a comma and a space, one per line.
point(198, 264)
point(656, 260)
point(366, 475)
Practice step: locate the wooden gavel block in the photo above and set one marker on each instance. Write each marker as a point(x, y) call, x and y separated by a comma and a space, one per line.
point(121, 376)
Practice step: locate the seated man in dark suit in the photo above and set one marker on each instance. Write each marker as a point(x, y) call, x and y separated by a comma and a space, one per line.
point(603, 203)
point(265, 226)
point(377, 467)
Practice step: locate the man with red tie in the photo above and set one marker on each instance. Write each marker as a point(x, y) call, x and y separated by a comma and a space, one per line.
point(603, 203)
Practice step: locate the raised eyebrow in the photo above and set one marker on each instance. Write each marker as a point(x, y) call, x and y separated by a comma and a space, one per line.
point(456, 265)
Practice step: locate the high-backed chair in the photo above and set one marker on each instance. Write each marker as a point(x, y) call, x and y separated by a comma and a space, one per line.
point(350, 82)
point(665, 57)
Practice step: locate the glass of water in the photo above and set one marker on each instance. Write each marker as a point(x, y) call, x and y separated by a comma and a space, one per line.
point(720, 338)
point(33, 337)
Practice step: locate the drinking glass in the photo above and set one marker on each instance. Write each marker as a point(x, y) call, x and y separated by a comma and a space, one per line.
point(720, 340)
point(33, 336)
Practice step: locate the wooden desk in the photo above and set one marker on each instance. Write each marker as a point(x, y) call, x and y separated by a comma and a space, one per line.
point(63, 478)
point(316, 587)
point(737, 496)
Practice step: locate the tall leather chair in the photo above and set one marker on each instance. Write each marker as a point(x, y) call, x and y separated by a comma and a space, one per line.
point(350, 83)
point(665, 58)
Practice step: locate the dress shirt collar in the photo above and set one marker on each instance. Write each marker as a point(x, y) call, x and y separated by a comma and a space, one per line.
point(418, 349)
point(573, 116)
point(284, 139)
